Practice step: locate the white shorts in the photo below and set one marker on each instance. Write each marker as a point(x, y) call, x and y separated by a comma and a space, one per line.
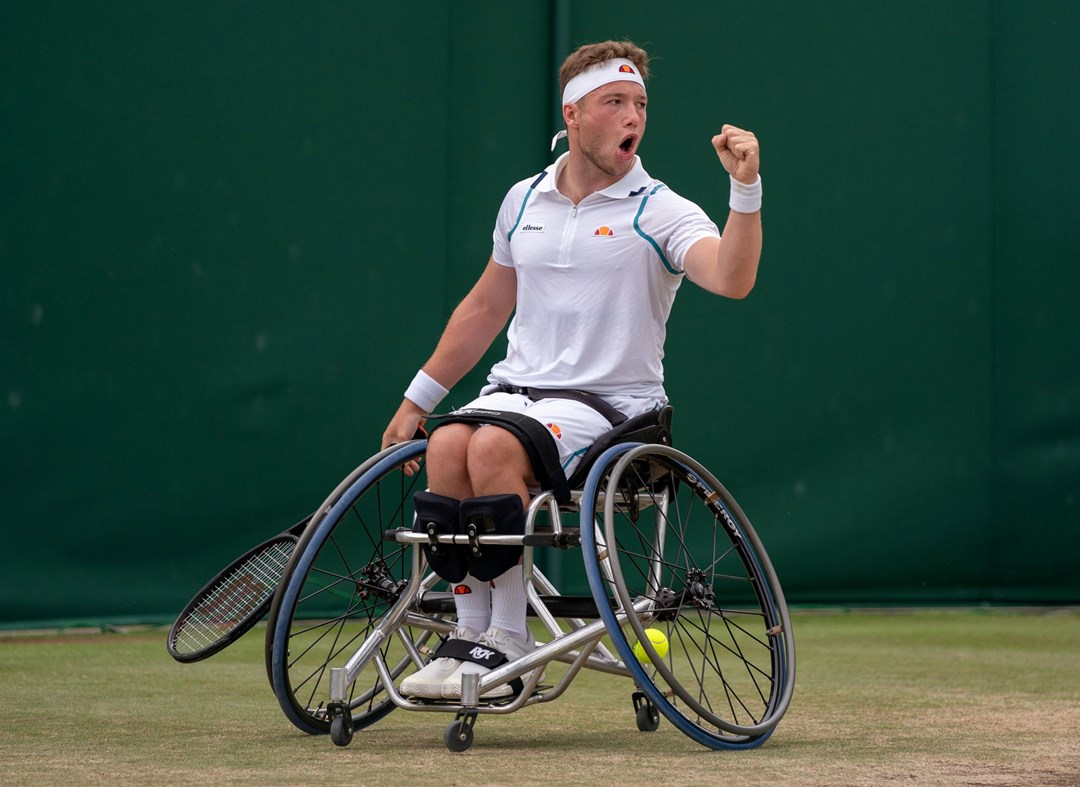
point(575, 425)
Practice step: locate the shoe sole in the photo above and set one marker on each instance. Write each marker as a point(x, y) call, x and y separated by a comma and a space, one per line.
point(453, 692)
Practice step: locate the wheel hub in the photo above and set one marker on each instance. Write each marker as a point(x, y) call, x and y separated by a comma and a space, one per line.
point(376, 582)
point(697, 593)
point(698, 590)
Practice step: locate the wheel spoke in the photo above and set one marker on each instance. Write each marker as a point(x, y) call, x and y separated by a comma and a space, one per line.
point(347, 580)
point(676, 538)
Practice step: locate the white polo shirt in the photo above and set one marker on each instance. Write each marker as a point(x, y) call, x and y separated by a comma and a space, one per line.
point(595, 281)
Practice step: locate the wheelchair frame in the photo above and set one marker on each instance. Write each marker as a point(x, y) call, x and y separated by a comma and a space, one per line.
point(726, 689)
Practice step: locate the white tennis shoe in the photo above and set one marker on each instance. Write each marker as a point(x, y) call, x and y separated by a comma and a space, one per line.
point(428, 681)
point(496, 639)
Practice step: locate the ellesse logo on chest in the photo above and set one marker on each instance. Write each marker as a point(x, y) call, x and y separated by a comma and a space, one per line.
point(531, 227)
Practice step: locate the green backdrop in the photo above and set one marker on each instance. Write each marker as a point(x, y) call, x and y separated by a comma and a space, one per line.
point(232, 231)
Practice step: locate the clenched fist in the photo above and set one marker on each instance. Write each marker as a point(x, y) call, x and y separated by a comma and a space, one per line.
point(739, 153)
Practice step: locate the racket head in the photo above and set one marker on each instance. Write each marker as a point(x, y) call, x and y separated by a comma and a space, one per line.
point(232, 602)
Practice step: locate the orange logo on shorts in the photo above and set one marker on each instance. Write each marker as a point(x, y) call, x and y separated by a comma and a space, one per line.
point(555, 430)
point(604, 231)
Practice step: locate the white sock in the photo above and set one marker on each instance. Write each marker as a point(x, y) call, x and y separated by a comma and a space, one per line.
point(472, 598)
point(509, 603)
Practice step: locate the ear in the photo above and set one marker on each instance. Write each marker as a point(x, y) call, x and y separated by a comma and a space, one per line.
point(570, 115)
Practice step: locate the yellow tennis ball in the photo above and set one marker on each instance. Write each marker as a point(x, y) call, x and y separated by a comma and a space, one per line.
point(659, 643)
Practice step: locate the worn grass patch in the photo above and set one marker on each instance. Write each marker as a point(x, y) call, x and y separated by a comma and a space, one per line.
point(958, 697)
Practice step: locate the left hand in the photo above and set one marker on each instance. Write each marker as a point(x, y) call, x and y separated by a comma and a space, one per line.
point(407, 424)
point(738, 152)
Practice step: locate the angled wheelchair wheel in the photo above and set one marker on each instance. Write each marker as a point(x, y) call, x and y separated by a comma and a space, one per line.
point(666, 547)
point(342, 581)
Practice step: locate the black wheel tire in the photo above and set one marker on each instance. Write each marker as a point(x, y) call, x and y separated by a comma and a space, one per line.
point(458, 736)
point(341, 730)
point(648, 717)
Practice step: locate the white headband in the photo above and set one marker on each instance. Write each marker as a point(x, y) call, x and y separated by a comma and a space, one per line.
point(618, 69)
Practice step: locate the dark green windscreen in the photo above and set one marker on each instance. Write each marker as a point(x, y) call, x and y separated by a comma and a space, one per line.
point(232, 231)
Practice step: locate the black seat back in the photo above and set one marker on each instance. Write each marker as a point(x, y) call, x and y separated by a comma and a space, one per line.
point(651, 427)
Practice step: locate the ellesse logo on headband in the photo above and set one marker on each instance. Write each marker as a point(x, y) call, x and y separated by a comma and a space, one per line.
point(625, 69)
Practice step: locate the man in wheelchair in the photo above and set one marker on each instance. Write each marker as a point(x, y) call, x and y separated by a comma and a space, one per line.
point(587, 256)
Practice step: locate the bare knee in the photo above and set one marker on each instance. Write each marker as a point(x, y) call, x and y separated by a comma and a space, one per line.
point(447, 460)
point(498, 463)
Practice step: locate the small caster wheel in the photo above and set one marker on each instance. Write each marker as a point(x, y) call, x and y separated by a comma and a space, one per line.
point(645, 713)
point(458, 735)
point(341, 729)
point(648, 718)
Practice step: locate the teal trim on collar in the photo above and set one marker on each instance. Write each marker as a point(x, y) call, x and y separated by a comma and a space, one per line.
point(649, 240)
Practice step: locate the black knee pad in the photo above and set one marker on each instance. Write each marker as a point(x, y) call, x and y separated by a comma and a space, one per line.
point(493, 514)
point(437, 515)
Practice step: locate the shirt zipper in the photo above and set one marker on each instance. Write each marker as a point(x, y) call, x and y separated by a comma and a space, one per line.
point(568, 233)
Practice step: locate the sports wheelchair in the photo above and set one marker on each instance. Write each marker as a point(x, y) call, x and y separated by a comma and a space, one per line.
point(664, 547)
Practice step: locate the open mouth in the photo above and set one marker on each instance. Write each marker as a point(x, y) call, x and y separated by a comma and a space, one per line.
point(626, 147)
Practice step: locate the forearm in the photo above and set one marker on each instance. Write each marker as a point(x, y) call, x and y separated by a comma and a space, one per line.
point(738, 254)
point(728, 265)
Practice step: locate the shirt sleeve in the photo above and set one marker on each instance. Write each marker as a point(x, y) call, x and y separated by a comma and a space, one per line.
point(673, 225)
point(688, 224)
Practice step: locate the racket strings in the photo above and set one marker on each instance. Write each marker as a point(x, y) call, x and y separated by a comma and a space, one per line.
point(238, 594)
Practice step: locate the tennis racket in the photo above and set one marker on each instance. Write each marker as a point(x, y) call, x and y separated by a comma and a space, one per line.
point(234, 600)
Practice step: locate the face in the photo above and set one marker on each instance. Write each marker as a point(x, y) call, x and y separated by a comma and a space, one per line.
point(610, 124)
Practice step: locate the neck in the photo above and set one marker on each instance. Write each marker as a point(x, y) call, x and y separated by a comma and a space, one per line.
point(580, 177)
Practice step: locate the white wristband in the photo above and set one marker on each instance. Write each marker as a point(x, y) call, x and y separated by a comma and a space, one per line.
point(745, 197)
point(425, 391)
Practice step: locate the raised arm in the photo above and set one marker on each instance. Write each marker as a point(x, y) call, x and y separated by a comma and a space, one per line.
point(474, 325)
point(728, 265)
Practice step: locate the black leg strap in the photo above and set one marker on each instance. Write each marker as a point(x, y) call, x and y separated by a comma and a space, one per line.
point(438, 515)
point(492, 515)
